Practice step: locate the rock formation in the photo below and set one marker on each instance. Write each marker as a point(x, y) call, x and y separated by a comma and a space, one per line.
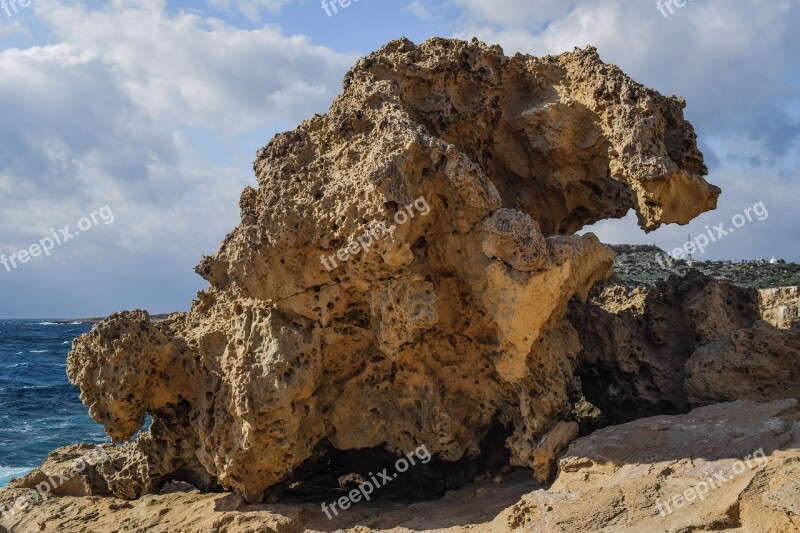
point(401, 275)
point(689, 342)
point(408, 275)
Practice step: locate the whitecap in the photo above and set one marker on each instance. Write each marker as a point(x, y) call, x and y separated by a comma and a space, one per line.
point(7, 473)
point(38, 351)
point(48, 324)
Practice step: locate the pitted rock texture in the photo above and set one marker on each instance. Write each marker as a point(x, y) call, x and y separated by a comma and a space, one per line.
point(690, 341)
point(321, 328)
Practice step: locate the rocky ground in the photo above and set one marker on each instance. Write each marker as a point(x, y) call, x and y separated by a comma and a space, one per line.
point(407, 284)
point(732, 467)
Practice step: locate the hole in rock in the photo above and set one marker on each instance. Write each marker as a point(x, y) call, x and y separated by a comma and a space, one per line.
point(334, 473)
point(559, 176)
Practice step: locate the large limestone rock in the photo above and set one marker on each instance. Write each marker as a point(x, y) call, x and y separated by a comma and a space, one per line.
point(401, 275)
point(690, 341)
point(624, 479)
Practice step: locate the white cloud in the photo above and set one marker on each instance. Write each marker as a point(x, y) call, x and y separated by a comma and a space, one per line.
point(141, 110)
point(419, 9)
point(250, 8)
point(11, 26)
point(201, 72)
point(512, 13)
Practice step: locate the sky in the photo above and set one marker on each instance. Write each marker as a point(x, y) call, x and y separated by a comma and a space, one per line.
point(128, 128)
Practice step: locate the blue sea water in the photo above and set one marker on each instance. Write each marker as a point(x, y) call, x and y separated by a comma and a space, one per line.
point(39, 409)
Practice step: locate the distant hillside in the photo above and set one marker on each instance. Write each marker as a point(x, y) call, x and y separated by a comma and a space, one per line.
point(95, 320)
point(647, 265)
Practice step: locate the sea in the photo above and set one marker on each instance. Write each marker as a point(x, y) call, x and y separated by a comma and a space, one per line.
point(39, 409)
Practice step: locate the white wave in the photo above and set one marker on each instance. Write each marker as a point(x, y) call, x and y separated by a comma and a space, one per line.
point(48, 324)
point(7, 473)
point(38, 351)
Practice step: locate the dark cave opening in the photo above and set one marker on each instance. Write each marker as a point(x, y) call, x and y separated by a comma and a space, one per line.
point(333, 473)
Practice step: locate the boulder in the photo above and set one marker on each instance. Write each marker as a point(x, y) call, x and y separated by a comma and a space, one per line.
point(402, 274)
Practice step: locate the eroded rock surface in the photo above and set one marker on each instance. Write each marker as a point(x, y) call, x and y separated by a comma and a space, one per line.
point(402, 273)
point(690, 341)
point(781, 306)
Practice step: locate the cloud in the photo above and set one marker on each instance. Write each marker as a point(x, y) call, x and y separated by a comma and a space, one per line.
point(516, 13)
point(418, 9)
point(11, 27)
point(147, 112)
point(201, 72)
point(250, 8)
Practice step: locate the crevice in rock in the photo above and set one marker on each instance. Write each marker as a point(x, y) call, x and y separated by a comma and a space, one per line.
point(333, 473)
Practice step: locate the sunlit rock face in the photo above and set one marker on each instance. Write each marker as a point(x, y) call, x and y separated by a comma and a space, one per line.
point(402, 273)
